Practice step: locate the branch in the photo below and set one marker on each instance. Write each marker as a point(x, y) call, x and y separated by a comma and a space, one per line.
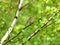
point(24, 4)
point(33, 34)
point(12, 25)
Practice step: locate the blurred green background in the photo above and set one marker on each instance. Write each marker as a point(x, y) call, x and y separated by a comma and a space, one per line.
point(39, 9)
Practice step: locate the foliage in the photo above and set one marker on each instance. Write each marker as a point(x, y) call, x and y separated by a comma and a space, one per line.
point(42, 9)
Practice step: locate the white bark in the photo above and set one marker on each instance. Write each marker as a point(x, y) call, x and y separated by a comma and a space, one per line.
point(12, 25)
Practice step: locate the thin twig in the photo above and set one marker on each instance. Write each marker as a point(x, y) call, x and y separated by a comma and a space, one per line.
point(17, 34)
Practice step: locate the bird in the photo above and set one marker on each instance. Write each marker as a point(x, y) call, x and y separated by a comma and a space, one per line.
point(30, 20)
